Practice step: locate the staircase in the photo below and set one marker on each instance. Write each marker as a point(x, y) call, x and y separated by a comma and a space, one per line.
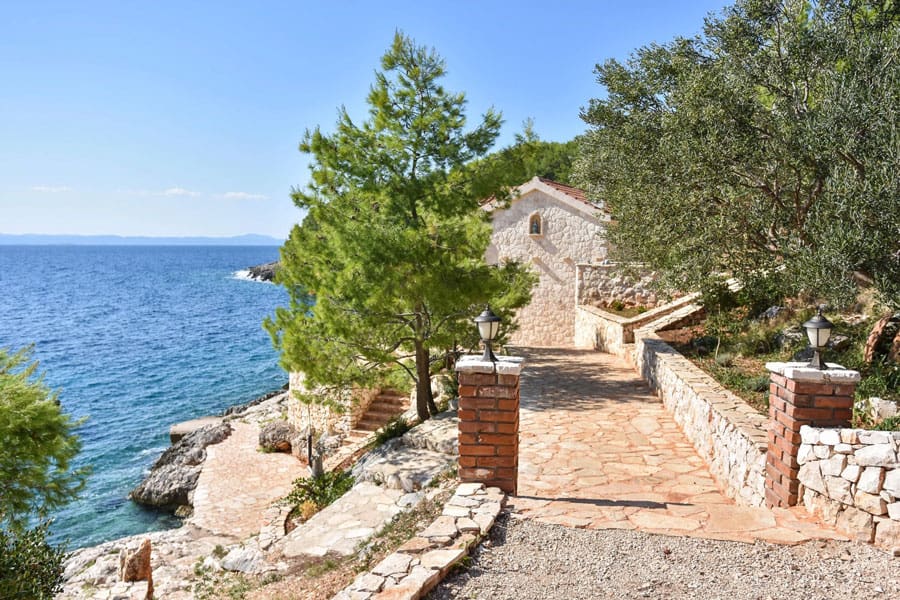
point(386, 405)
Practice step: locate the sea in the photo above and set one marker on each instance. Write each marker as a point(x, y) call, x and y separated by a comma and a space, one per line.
point(134, 339)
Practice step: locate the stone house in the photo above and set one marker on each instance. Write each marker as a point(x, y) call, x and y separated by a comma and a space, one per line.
point(561, 234)
point(555, 228)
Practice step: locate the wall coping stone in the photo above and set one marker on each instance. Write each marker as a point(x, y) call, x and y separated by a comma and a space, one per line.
point(505, 365)
point(801, 371)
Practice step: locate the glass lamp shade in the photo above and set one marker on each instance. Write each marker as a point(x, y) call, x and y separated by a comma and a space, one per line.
point(488, 325)
point(818, 330)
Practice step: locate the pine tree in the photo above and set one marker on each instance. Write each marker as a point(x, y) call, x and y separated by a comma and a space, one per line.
point(386, 270)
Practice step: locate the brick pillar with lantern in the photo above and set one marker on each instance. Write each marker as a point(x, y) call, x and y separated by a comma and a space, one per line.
point(815, 394)
point(489, 421)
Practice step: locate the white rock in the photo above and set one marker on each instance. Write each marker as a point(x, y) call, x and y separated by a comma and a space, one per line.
point(879, 455)
point(821, 452)
point(468, 489)
point(805, 454)
point(244, 559)
point(870, 503)
point(811, 476)
point(892, 482)
point(393, 565)
point(834, 465)
point(893, 510)
point(839, 489)
point(851, 473)
point(843, 448)
point(875, 437)
point(870, 480)
point(830, 437)
point(809, 435)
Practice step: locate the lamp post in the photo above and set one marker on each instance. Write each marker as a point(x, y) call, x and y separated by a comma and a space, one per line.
point(488, 327)
point(818, 330)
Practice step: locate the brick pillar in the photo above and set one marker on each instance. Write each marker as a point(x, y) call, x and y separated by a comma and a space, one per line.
point(800, 395)
point(489, 421)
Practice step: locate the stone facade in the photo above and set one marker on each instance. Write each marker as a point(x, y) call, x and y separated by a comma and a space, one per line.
point(726, 432)
point(801, 395)
point(322, 418)
point(851, 479)
point(489, 421)
point(603, 284)
point(570, 232)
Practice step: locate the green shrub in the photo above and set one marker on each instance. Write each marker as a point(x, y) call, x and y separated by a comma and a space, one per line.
point(394, 428)
point(29, 566)
point(725, 359)
point(889, 424)
point(321, 491)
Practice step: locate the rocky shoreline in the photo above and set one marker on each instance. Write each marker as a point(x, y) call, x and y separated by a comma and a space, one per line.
point(98, 572)
point(264, 272)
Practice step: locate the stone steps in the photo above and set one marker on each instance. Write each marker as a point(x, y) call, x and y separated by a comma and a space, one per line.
point(386, 405)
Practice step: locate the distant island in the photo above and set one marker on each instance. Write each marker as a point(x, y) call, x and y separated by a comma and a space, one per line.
point(118, 240)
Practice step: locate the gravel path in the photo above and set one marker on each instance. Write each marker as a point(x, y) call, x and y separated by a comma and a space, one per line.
point(526, 559)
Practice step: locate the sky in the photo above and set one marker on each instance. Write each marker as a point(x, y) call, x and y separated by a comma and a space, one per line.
point(183, 118)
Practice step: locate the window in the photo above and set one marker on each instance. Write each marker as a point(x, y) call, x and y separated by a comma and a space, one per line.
point(534, 225)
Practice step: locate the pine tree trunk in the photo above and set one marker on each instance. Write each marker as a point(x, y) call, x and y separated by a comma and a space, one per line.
point(424, 400)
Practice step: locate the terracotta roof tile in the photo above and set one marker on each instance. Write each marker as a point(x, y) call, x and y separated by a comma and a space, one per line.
point(574, 192)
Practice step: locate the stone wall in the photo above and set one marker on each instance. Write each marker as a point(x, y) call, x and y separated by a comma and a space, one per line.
point(726, 432)
point(602, 330)
point(568, 236)
point(322, 418)
point(603, 283)
point(851, 479)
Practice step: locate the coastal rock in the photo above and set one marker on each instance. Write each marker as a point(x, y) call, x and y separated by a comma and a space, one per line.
point(179, 430)
point(277, 436)
point(264, 272)
point(134, 565)
point(174, 475)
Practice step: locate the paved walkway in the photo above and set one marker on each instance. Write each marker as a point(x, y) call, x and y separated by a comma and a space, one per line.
point(238, 483)
point(599, 450)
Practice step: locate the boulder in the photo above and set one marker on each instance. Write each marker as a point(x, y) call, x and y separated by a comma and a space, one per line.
point(179, 430)
point(174, 475)
point(277, 436)
point(134, 565)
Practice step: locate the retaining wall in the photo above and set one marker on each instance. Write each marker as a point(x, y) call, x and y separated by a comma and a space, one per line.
point(851, 479)
point(726, 432)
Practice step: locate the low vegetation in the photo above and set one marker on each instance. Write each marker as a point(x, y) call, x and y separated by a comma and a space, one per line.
point(312, 494)
point(733, 347)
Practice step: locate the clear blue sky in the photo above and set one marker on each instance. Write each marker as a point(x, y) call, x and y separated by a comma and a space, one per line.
point(183, 118)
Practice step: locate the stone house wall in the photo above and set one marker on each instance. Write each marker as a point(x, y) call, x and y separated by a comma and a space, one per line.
point(604, 283)
point(569, 236)
point(851, 479)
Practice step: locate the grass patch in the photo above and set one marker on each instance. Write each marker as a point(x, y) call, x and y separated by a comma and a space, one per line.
point(394, 428)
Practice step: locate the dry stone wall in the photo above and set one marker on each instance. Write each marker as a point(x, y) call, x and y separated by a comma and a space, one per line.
point(568, 236)
point(322, 418)
point(851, 478)
point(605, 284)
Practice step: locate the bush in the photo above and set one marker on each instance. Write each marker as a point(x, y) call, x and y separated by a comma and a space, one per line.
point(394, 428)
point(29, 566)
point(320, 491)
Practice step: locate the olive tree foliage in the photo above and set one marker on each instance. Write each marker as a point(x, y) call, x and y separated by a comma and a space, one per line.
point(37, 445)
point(765, 148)
point(386, 270)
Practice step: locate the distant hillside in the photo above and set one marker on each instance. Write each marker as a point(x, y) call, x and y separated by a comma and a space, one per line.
point(118, 240)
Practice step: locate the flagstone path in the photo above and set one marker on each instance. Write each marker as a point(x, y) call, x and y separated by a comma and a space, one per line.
point(599, 450)
point(238, 483)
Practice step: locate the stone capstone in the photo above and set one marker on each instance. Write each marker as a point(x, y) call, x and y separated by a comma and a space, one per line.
point(174, 475)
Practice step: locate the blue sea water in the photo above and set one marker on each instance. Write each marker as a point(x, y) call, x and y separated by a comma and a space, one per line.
point(135, 339)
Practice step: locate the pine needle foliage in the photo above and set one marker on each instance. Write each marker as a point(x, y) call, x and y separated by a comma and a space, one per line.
point(386, 270)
